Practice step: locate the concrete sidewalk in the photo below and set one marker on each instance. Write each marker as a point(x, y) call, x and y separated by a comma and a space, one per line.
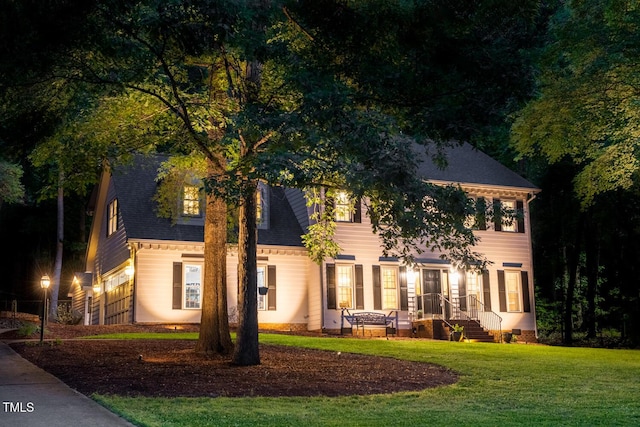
point(31, 397)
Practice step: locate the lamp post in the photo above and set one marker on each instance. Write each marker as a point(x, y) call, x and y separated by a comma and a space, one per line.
point(44, 284)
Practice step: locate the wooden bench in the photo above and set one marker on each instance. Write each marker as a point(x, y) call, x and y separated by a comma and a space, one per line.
point(363, 319)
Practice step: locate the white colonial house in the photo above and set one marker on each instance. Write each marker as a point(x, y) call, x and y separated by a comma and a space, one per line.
point(143, 269)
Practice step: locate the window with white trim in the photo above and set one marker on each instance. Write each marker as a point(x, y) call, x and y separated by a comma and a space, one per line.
point(342, 206)
point(389, 278)
point(344, 279)
point(112, 217)
point(116, 279)
point(474, 288)
point(192, 286)
point(512, 289)
point(262, 283)
point(191, 201)
point(509, 222)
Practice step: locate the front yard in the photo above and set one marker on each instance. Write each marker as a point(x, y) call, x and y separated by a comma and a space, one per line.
point(498, 385)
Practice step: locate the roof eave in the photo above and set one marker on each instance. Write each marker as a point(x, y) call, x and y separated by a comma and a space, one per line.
point(470, 186)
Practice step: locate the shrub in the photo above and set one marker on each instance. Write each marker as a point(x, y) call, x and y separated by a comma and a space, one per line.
point(67, 316)
point(27, 329)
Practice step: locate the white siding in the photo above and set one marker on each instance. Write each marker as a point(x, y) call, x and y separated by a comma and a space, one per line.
point(154, 286)
point(498, 247)
point(316, 297)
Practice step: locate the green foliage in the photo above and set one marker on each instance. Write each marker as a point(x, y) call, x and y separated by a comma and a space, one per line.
point(67, 315)
point(319, 238)
point(28, 329)
point(586, 109)
point(11, 189)
point(173, 175)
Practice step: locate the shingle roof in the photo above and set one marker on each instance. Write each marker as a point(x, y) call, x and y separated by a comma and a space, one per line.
point(468, 165)
point(136, 185)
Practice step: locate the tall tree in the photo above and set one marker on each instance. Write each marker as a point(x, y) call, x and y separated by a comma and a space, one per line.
point(307, 93)
point(585, 115)
point(587, 108)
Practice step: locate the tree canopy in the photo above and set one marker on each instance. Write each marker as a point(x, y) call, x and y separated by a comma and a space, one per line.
point(299, 93)
point(586, 108)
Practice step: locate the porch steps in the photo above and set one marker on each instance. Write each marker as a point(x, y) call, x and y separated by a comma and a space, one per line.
point(473, 331)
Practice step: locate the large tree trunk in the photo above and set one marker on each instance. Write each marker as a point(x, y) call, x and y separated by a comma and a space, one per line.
point(246, 351)
point(593, 260)
point(57, 269)
point(573, 258)
point(215, 337)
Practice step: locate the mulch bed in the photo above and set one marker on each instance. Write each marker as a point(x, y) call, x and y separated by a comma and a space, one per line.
point(171, 368)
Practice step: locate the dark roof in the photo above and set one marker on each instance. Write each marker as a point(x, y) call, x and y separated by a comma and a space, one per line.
point(468, 165)
point(136, 185)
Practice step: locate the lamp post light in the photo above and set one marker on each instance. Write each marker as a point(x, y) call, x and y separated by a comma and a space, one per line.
point(44, 284)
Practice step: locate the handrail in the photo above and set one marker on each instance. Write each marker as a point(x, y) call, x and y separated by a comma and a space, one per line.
point(488, 319)
point(436, 306)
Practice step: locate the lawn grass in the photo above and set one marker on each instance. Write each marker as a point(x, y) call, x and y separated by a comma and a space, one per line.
point(500, 385)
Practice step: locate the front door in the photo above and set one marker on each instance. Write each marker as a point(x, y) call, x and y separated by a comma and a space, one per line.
point(431, 288)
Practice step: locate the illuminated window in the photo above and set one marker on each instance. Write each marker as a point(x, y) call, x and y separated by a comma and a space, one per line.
point(112, 219)
point(344, 278)
point(262, 283)
point(389, 276)
point(477, 220)
point(342, 207)
point(191, 201)
point(192, 286)
point(115, 280)
point(509, 222)
point(262, 206)
point(474, 289)
point(259, 198)
point(512, 285)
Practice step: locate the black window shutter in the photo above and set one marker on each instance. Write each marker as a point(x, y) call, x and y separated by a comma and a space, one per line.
point(271, 283)
point(526, 303)
point(497, 215)
point(462, 290)
point(481, 213)
point(502, 292)
point(404, 291)
point(377, 288)
point(331, 286)
point(177, 285)
point(520, 216)
point(357, 214)
point(359, 288)
point(486, 289)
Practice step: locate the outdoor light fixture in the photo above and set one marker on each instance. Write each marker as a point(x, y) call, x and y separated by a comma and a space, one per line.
point(128, 270)
point(44, 284)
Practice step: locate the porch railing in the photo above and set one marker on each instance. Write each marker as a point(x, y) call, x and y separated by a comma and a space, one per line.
point(436, 306)
point(489, 320)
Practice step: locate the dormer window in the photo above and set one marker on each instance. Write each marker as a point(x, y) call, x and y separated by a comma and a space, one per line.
point(262, 206)
point(191, 201)
point(345, 208)
point(342, 206)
